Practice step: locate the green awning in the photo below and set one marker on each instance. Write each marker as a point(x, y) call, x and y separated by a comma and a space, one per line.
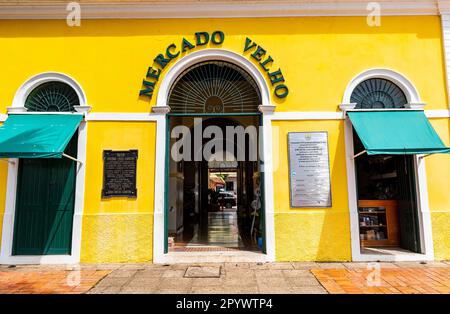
point(37, 135)
point(396, 132)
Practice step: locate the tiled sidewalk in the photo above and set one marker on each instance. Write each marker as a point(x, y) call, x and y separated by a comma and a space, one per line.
point(245, 278)
point(386, 280)
point(49, 281)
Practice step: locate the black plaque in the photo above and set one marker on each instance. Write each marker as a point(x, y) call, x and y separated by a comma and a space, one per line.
point(119, 173)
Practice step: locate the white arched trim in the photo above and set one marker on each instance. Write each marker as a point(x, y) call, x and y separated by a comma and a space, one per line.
point(209, 55)
point(18, 105)
point(33, 82)
point(160, 111)
point(411, 93)
point(426, 241)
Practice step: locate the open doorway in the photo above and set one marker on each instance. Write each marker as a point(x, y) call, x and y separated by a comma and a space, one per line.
point(215, 203)
point(387, 203)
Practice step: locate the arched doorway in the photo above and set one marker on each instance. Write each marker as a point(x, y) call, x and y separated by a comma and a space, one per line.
point(213, 129)
point(388, 222)
point(45, 202)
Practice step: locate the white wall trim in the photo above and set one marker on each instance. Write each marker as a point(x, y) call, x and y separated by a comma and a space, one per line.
point(6, 256)
point(121, 116)
point(437, 113)
point(308, 115)
point(282, 115)
point(160, 172)
point(399, 79)
point(207, 55)
point(22, 93)
point(445, 24)
point(217, 9)
point(269, 204)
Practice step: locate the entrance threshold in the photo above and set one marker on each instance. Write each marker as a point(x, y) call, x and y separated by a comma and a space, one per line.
point(390, 254)
point(214, 257)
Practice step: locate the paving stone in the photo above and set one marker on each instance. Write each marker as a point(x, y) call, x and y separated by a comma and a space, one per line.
point(124, 273)
point(436, 264)
point(304, 265)
point(275, 289)
point(203, 272)
point(410, 265)
point(149, 273)
point(268, 273)
point(174, 283)
point(242, 274)
point(308, 290)
point(302, 281)
point(271, 281)
point(113, 282)
point(239, 282)
point(240, 289)
point(207, 282)
point(280, 266)
point(138, 290)
point(173, 273)
point(233, 266)
point(207, 289)
point(139, 266)
point(143, 281)
point(297, 273)
point(330, 265)
point(105, 290)
point(355, 265)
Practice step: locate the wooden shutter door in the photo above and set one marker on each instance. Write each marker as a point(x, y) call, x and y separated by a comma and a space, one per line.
point(45, 205)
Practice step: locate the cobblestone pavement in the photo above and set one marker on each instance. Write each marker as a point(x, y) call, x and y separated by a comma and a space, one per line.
point(245, 278)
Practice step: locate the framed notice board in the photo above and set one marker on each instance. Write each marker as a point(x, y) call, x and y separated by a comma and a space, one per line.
point(119, 173)
point(309, 170)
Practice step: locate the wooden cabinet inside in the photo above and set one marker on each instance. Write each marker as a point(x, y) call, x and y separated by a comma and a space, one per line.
point(378, 223)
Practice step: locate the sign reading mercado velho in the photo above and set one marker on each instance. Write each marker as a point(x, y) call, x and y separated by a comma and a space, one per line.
point(258, 53)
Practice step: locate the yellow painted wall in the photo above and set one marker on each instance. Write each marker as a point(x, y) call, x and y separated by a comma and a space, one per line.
point(119, 229)
point(3, 178)
point(438, 177)
point(311, 234)
point(318, 55)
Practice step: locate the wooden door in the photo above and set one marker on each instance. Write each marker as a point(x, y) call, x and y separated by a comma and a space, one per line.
point(45, 205)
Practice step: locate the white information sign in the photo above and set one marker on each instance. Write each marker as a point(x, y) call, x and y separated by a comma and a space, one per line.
point(309, 169)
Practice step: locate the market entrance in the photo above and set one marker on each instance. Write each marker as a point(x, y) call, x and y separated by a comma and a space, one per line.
point(214, 179)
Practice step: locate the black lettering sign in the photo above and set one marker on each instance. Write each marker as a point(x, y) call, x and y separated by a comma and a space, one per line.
point(119, 173)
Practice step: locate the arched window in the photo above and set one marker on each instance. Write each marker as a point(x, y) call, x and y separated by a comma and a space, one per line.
point(378, 93)
point(214, 87)
point(52, 96)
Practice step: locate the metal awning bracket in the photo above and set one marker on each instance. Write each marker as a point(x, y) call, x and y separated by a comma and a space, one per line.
point(359, 154)
point(72, 158)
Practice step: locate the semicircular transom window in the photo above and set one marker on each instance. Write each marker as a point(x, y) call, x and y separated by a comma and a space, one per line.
point(214, 87)
point(52, 96)
point(377, 93)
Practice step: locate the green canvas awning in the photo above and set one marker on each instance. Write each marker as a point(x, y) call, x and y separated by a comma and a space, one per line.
point(396, 132)
point(37, 135)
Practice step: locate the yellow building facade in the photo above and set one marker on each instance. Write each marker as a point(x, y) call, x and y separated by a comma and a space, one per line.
point(322, 59)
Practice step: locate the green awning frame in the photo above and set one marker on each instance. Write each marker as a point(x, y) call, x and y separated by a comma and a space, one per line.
point(37, 135)
point(396, 132)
